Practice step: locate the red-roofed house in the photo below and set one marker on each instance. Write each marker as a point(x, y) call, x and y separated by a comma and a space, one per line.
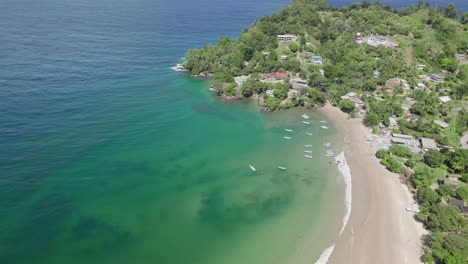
point(275, 75)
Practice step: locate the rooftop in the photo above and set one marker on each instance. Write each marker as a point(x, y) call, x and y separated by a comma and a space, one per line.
point(441, 123)
point(456, 202)
point(402, 136)
point(275, 75)
point(445, 99)
point(428, 143)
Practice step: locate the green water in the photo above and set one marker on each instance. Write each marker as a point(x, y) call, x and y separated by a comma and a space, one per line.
point(174, 186)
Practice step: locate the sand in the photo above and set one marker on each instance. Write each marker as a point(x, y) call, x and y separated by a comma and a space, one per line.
point(379, 230)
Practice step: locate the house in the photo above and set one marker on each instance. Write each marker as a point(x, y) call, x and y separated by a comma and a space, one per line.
point(275, 75)
point(427, 143)
point(405, 84)
point(441, 123)
point(376, 40)
point(299, 84)
point(412, 118)
point(358, 38)
point(445, 99)
point(420, 67)
point(464, 141)
point(241, 79)
point(293, 93)
point(401, 139)
point(437, 77)
point(349, 96)
point(265, 53)
point(420, 86)
point(459, 56)
point(407, 137)
point(317, 60)
point(393, 121)
point(457, 202)
point(322, 72)
point(270, 93)
point(283, 57)
point(376, 74)
point(285, 38)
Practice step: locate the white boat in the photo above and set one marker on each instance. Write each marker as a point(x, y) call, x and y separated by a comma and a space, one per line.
point(305, 122)
point(328, 155)
point(252, 168)
point(287, 137)
point(324, 127)
point(305, 116)
point(309, 134)
point(308, 151)
point(179, 67)
point(323, 121)
point(327, 144)
point(288, 130)
point(308, 146)
point(281, 168)
point(308, 156)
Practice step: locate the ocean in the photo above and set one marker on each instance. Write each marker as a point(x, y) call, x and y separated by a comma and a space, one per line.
point(109, 156)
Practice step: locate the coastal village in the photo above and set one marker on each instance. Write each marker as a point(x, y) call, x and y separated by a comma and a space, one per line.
point(405, 79)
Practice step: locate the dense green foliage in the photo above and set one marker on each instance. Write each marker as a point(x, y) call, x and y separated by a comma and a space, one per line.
point(401, 151)
point(434, 158)
point(328, 31)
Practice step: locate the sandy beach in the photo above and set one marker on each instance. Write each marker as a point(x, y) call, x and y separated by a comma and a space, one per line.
point(379, 230)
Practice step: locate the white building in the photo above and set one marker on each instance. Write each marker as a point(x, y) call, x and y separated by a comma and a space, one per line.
point(285, 38)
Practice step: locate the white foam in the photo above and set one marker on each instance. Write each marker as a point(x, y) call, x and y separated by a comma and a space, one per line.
point(325, 255)
point(346, 173)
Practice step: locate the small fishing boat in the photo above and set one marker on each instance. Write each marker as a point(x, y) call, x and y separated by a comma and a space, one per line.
point(281, 168)
point(324, 127)
point(328, 155)
point(309, 134)
point(305, 122)
point(323, 121)
point(327, 144)
point(288, 130)
point(308, 156)
point(305, 116)
point(287, 137)
point(252, 168)
point(308, 151)
point(308, 146)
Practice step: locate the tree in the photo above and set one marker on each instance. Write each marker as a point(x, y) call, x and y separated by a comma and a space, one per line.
point(401, 151)
point(293, 47)
point(371, 119)
point(427, 195)
point(462, 192)
point(464, 178)
point(434, 158)
point(347, 106)
point(446, 191)
point(451, 11)
point(445, 218)
point(458, 160)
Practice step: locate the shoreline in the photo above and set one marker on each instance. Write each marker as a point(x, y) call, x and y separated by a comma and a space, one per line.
point(379, 229)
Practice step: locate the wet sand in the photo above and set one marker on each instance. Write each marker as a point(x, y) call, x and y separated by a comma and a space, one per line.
point(379, 230)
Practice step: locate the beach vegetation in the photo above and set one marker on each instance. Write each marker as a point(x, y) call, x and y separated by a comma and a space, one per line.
point(347, 106)
point(401, 151)
point(434, 158)
point(428, 196)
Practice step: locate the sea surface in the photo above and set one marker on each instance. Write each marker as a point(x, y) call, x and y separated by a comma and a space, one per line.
point(109, 156)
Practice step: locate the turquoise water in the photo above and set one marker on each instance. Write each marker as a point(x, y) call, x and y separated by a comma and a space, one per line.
point(108, 156)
